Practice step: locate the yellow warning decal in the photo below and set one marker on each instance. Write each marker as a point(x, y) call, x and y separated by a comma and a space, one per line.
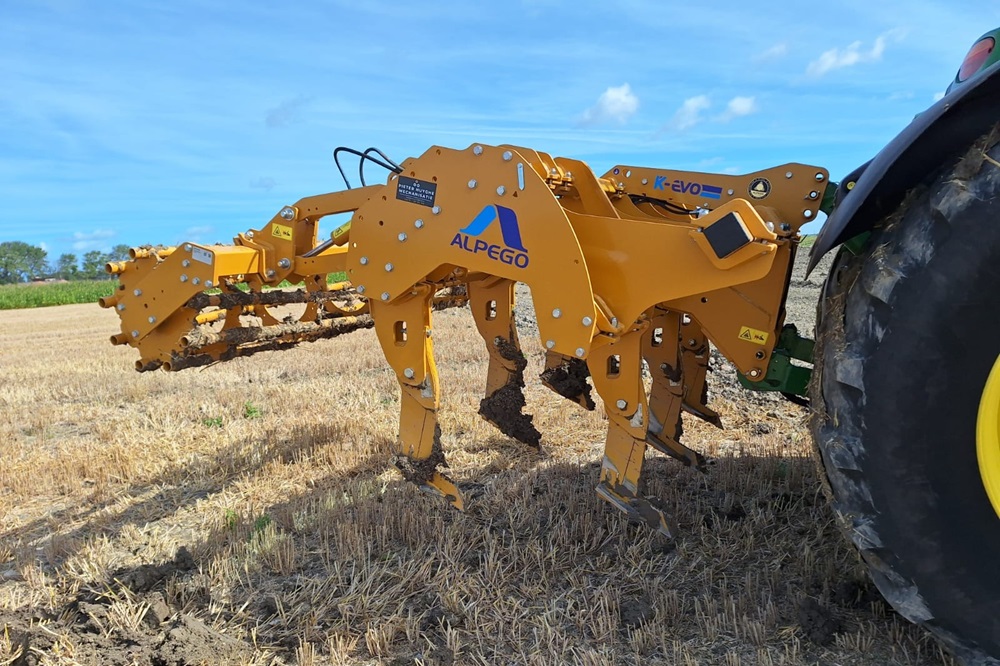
point(341, 230)
point(753, 335)
point(281, 231)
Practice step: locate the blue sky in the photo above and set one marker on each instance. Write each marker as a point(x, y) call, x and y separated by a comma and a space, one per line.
point(156, 122)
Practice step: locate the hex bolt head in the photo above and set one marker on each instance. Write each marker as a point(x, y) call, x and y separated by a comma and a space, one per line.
point(785, 226)
point(645, 181)
point(187, 247)
point(186, 263)
point(730, 192)
point(137, 292)
point(287, 213)
point(549, 344)
point(807, 214)
point(250, 234)
point(135, 334)
point(361, 288)
point(385, 295)
point(436, 210)
point(208, 284)
point(820, 177)
point(184, 278)
point(621, 404)
point(556, 313)
point(270, 272)
point(501, 190)
point(477, 150)
point(419, 224)
point(401, 237)
point(388, 268)
point(198, 280)
point(587, 321)
point(580, 352)
point(614, 322)
point(788, 174)
point(770, 226)
point(408, 373)
point(151, 320)
point(120, 306)
point(363, 261)
point(284, 263)
point(692, 342)
point(507, 156)
point(472, 184)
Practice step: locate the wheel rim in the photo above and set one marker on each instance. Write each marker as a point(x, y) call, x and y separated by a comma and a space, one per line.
point(988, 437)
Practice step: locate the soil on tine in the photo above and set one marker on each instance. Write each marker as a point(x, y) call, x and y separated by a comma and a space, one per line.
point(250, 513)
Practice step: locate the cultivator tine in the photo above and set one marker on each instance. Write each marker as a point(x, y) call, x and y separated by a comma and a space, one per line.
point(404, 331)
point(492, 303)
point(661, 349)
point(567, 377)
point(616, 371)
point(695, 357)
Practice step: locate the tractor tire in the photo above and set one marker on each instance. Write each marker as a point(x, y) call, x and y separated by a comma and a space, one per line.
point(908, 332)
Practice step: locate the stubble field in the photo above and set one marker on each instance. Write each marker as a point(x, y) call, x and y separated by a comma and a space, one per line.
point(248, 513)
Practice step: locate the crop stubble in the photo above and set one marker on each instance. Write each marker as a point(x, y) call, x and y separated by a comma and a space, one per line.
point(134, 529)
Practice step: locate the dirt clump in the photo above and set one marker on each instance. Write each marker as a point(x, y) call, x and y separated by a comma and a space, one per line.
point(817, 621)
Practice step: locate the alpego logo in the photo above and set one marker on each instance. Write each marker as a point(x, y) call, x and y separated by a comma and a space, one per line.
point(512, 252)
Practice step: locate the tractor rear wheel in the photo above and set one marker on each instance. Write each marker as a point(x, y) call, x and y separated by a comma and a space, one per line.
point(906, 396)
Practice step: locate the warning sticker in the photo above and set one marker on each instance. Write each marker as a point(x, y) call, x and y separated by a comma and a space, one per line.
point(204, 256)
point(760, 188)
point(416, 191)
point(281, 231)
point(753, 335)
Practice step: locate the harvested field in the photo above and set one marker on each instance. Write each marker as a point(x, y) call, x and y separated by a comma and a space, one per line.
point(248, 513)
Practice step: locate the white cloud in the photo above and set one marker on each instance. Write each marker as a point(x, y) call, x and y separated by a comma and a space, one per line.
point(92, 240)
point(938, 96)
point(615, 104)
point(738, 107)
point(263, 183)
point(775, 52)
point(854, 54)
point(198, 234)
point(285, 113)
point(689, 114)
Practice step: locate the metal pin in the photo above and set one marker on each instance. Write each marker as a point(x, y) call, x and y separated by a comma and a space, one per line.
point(287, 213)
point(614, 322)
point(814, 194)
point(807, 214)
point(819, 177)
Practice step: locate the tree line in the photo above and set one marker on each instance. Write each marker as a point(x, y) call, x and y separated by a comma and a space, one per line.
point(22, 262)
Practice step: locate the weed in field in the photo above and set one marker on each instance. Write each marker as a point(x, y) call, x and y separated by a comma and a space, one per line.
point(251, 411)
point(212, 422)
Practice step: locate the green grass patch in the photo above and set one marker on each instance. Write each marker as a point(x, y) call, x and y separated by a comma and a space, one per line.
point(20, 296)
point(17, 296)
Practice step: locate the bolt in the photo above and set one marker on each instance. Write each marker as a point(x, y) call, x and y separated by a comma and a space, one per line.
point(363, 261)
point(785, 226)
point(361, 288)
point(549, 344)
point(429, 333)
point(477, 150)
point(580, 352)
point(401, 237)
point(664, 366)
point(121, 306)
point(555, 171)
point(287, 213)
point(137, 292)
point(186, 263)
point(760, 355)
point(614, 322)
point(284, 263)
point(814, 194)
point(388, 268)
point(208, 284)
point(250, 234)
point(408, 373)
point(152, 320)
point(419, 224)
point(135, 334)
point(187, 247)
point(507, 155)
point(770, 226)
point(198, 280)
point(184, 278)
point(692, 342)
point(701, 229)
point(730, 192)
point(270, 272)
point(788, 174)
point(436, 210)
point(819, 177)
point(755, 373)
point(645, 181)
point(556, 313)
point(385, 295)
point(621, 404)
point(472, 184)
point(807, 214)
point(587, 321)
point(501, 190)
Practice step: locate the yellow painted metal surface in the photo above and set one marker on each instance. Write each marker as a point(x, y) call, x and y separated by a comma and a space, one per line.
point(988, 437)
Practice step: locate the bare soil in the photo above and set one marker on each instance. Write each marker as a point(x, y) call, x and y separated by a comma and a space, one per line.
point(250, 513)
